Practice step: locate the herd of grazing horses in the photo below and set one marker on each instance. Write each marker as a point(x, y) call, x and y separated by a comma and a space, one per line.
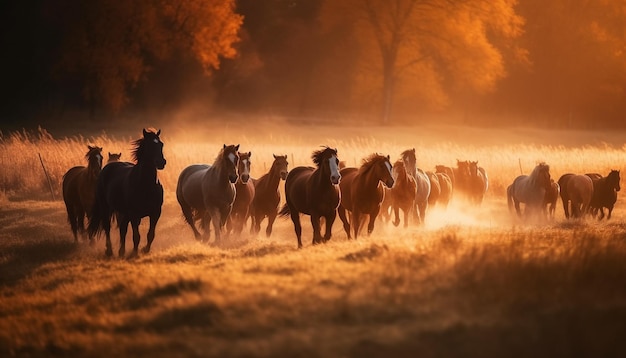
point(225, 195)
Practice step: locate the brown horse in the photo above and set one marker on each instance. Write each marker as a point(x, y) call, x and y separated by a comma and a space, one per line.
point(462, 177)
point(402, 194)
point(605, 194)
point(552, 195)
point(423, 184)
point(362, 193)
point(435, 188)
point(478, 183)
point(244, 193)
point(445, 185)
point(314, 192)
point(207, 192)
point(79, 190)
point(580, 192)
point(267, 196)
point(446, 170)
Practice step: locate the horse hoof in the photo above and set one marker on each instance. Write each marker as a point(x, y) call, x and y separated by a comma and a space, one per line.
point(133, 255)
point(145, 250)
point(108, 253)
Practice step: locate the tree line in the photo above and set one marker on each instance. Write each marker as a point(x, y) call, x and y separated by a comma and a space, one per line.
point(487, 62)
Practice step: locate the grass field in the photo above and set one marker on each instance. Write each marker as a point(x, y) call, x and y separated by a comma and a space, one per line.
point(471, 282)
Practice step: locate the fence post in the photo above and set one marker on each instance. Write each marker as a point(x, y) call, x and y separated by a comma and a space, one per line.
point(47, 177)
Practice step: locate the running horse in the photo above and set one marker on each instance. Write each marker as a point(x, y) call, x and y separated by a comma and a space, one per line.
point(421, 180)
point(402, 194)
point(267, 196)
point(530, 190)
point(605, 194)
point(244, 193)
point(478, 182)
point(131, 192)
point(207, 192)
point(79, 190)
point(362, 192)
point(314, 192)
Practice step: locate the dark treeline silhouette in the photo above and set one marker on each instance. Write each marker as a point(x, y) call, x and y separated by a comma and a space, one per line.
point(555, 64)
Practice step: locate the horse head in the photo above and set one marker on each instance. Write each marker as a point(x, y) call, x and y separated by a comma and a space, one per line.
point(410, 161)
point(473, 168)
point(230, 161)
point(463, 168)
point(613, 179)
point(386, 172)
point(542, 175)
point(243, 168)
point(114, 157)
point(150, 149)
point(328, 156)
point(281, 165)
point(94, 158)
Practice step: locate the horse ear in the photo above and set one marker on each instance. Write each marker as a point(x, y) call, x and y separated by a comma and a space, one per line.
point(249, 154)
point(158, 133)
point(274, 155)
point(388, 157)
point(109, 154)
point(145, 132)
point(237, 147)
point(224, 146)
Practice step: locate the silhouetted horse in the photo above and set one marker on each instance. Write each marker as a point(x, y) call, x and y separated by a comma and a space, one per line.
point(423, 184)
point(446, 189)
point(462, 177)
point(131, 191)
point(207, 192)
point(605, 194)
point(114, 157)
point(478, 183)
point(314, 192)
point(79, 190)
point(402, 194)
point(267, 196)
point(530, 190)
point(361, 192)
point(552, 195)
point(244, 193)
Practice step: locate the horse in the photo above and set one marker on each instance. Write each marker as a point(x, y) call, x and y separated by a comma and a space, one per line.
point(423, 184)
point(478, 183)
point(564, 194)
point(530, 190)
point(267, 196)
point(445, 183)
point(207, 192)
point(446, 170)
point(131, 192)
point(552, 195)
point(462, 176)
point(314, 192)
point(79, 190)
point(580, 191)
point(244, 193)
point(362, 192)
point(605, 193)
point(435, 188)
point(114, 157)
point(402, 193)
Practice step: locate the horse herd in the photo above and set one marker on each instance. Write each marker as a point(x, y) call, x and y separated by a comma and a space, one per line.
point(225, 196)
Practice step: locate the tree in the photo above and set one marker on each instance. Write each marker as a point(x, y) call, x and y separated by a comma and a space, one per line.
point(109, 45)
point(425, 49)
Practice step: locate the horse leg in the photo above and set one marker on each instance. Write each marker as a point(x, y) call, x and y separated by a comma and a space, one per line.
point(123, 224)
point(217, 224)
point(71, 217)
point(373, 215)
point(297, 226)
point(356, 222)
point(270, 223)
point(406, 212)
point(136, 237)
point(106, 227)
point(601, 216)
point(518, 210)
point(610, 211)
point(330, 219)
point(565, 207)
point(396, 213)
point(346, 224)
point(317, 236)
point(188, 214)
point(151, 232)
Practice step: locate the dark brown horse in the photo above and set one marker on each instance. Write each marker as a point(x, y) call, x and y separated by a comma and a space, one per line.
point(244, 193)
point(445, 184)
point(267, 196)
point(362, 192)
point(402, 194)
point(605, 194)
point(79, 190)
point(552, 195)
point(207, 192)
point(314, 192)
point(131, 192)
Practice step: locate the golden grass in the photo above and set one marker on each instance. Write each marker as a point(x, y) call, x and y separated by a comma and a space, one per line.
point(472, 282)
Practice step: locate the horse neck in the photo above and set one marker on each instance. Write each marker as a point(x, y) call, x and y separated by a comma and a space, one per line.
point(369, 176)
point(321, 175)
point(147, 172)
point(93, 169)
point(273, 176)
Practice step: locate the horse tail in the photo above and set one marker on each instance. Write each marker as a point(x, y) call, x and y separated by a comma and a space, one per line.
point(285, 211)
point(99, 212)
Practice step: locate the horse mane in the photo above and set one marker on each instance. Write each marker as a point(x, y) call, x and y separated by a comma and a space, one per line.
point(408, 152)
point(139, 146)
point(371, 161)
point(218, 162)
point(540, 167)
point(319, 155)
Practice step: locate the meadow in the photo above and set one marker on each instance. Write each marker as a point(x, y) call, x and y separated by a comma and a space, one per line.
point(473, 281)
